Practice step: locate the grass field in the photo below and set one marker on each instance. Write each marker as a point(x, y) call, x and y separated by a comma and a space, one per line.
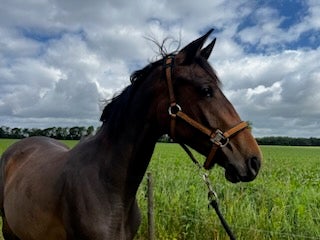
point(282, 203)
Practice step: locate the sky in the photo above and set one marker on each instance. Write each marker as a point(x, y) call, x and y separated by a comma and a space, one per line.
point(60, 59)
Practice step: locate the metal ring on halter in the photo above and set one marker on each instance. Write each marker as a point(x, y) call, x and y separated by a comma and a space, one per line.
point(224, 144)
point(217, 139)
point(174, 109)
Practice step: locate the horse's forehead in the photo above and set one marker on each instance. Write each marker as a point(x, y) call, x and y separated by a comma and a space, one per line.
point(198, 72)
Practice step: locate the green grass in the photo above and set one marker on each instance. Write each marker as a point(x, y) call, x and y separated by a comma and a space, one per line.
point(5, 143)
point(282, 203)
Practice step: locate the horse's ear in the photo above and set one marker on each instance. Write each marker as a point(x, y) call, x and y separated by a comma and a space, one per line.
point(205, 52)
point(193, 49)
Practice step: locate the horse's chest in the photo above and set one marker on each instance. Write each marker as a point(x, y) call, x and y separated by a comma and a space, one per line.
point(102, 225)
point(95, 215)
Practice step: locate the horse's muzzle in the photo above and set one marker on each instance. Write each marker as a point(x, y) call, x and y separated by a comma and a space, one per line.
point(233, 175)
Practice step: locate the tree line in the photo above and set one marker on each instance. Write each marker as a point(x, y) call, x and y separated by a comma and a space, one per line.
point(61, 133)
point(76, 133)
point(289, 141)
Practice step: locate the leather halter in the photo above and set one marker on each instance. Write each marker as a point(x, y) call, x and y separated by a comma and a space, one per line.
point(217, 137)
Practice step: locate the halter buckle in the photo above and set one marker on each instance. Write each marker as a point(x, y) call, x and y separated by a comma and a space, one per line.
point(219, 139)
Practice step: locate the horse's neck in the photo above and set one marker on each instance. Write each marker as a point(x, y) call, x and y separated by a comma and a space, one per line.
point(128, 154)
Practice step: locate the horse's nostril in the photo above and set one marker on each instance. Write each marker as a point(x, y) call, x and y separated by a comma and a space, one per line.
point(254, 165)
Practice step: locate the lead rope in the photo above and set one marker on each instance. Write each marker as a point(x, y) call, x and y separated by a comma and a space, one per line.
point(212, 195)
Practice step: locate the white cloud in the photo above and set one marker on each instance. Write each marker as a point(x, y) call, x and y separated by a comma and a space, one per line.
point(59, 59)
point(314, 14)
point(270, 94)
point(282, 87)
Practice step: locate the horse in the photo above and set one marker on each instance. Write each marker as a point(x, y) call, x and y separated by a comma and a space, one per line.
point(48, 191)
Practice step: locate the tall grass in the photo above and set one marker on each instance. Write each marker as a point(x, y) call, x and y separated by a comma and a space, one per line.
point(282, 203)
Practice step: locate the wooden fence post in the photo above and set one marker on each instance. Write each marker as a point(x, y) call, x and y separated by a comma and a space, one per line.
point(151, 230)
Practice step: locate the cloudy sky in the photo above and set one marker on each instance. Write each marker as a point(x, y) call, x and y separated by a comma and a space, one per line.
point(60, 58)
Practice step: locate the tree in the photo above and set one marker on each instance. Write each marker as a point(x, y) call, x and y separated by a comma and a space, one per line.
point(3, 132)
point(61, 133)
point(35, 132)
point(16, 133)
point(75, 133)
point(90, 131)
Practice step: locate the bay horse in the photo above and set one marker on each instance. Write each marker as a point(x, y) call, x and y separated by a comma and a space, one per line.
point(49, 191)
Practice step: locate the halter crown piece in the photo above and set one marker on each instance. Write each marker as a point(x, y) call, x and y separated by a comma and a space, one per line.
point(218, 138)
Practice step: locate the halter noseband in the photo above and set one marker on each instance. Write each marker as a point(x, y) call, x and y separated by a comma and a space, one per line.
point(217, 137)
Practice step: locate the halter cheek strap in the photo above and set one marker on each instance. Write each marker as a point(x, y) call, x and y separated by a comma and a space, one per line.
point(174, 107)
point(218, 138)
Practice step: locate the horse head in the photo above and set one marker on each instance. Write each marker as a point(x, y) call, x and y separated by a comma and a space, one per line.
point(202, 117)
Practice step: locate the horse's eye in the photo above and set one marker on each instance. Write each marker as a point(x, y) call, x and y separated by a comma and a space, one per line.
point(207, 92)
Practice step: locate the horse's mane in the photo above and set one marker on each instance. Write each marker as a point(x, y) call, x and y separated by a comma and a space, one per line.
point(118, 102)
point(117, 105)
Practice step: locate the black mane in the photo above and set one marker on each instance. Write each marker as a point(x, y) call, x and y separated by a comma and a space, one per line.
point(121, 100)
point(138, 75)
point(118, 104)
